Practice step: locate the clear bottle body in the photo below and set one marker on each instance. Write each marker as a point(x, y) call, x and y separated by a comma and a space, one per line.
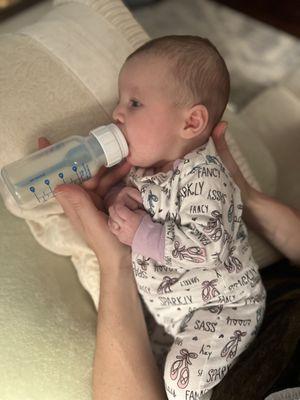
point(33, 179)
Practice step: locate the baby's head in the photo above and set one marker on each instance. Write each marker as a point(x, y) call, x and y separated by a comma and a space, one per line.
point(172, 92)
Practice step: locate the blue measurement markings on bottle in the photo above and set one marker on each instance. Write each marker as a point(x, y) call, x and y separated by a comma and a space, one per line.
point(69, 170)
point(44, 195)
point(61, 176)
point(81, 174)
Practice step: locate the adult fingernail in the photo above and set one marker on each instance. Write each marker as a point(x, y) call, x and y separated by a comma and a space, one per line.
point(58, 193)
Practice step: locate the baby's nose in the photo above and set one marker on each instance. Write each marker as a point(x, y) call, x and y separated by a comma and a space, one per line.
point(117, 115)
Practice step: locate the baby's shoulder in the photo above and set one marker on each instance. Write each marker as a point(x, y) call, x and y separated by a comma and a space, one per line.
point(203, 162)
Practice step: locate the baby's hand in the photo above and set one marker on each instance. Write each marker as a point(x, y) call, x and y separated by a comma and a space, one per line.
point(123, 222)
point(126, 196)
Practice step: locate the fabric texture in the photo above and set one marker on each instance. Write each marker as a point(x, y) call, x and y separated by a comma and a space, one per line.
point(48, 321)
point(287, 394)
point(82, 49)
point(149, 239)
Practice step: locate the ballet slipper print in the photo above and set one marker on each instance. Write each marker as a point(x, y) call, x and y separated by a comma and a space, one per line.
point(209, 291)
point(182, 364)
point(165, 286)
point(232, 263)
point(175, 369)
point(194, 254)
point(143, 263)
point(230, 349)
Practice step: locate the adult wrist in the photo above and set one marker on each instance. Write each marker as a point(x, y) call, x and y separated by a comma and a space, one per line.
point(115, 265)
point(254, 208)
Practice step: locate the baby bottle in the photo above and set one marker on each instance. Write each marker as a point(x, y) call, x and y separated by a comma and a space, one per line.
point(32, 179)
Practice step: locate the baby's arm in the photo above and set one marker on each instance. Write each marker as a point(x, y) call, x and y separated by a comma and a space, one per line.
point(187, 237)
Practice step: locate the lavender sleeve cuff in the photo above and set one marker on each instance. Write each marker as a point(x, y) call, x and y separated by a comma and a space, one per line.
point(149, 239)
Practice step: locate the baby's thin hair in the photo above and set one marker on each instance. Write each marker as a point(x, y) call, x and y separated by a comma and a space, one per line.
point(197, 67)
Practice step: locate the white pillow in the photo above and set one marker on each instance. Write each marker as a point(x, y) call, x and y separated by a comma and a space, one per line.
point(258, 167)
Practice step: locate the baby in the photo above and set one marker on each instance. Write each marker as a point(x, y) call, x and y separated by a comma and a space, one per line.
point(181, 212)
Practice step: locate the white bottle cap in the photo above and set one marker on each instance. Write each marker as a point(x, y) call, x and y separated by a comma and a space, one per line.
point(112, 142)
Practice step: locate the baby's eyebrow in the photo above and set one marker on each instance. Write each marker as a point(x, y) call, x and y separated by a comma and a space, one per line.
point(135, 90)
point(130, 90)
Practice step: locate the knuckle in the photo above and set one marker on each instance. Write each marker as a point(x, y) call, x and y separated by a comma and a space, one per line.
point(111, 211)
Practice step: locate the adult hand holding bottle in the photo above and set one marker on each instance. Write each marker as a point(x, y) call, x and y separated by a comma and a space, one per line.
point(84, 206)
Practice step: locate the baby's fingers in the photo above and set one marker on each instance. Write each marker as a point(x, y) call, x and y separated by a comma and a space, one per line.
point(123, 212)
point(115, 216)
point(129, 202)
point(113, 226)
point(126, 215)
point(133, 194)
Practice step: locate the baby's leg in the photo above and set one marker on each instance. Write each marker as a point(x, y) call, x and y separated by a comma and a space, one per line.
point(160, 340)
point(207, 344)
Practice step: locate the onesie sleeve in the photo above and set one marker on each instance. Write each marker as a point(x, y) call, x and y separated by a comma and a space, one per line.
point(149, 239)
point(208, 206)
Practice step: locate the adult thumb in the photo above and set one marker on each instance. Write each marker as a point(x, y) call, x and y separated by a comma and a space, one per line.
point(80, 209)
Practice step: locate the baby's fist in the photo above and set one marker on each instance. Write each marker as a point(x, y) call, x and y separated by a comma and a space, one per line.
point(124, 223)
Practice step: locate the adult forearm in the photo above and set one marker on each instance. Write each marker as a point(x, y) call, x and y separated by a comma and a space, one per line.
point(275, 221)
point(124, 366)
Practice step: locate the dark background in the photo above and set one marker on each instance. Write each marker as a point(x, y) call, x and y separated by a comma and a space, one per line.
point(283, 14)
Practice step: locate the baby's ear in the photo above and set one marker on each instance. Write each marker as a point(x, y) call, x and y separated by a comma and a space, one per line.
point(196, 121)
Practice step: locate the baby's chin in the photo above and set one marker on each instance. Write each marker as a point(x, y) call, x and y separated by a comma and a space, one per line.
point(137, 162)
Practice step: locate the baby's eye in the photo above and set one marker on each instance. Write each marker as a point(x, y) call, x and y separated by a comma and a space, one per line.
point(135, 103)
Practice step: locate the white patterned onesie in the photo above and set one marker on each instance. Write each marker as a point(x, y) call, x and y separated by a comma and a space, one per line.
point(195, 271)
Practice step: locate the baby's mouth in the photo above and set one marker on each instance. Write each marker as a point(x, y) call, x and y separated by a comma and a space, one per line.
point(129, 152)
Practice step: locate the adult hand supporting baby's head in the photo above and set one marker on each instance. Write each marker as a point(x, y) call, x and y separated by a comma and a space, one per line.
point(83, 207)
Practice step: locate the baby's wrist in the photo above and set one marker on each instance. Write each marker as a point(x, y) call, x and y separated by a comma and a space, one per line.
point(149, 239)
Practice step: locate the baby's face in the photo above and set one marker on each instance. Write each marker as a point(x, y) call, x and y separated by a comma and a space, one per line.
point(146, 114)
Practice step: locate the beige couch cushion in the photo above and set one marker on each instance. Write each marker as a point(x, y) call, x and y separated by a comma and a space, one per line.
point(260, 170)
point(275, 116)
